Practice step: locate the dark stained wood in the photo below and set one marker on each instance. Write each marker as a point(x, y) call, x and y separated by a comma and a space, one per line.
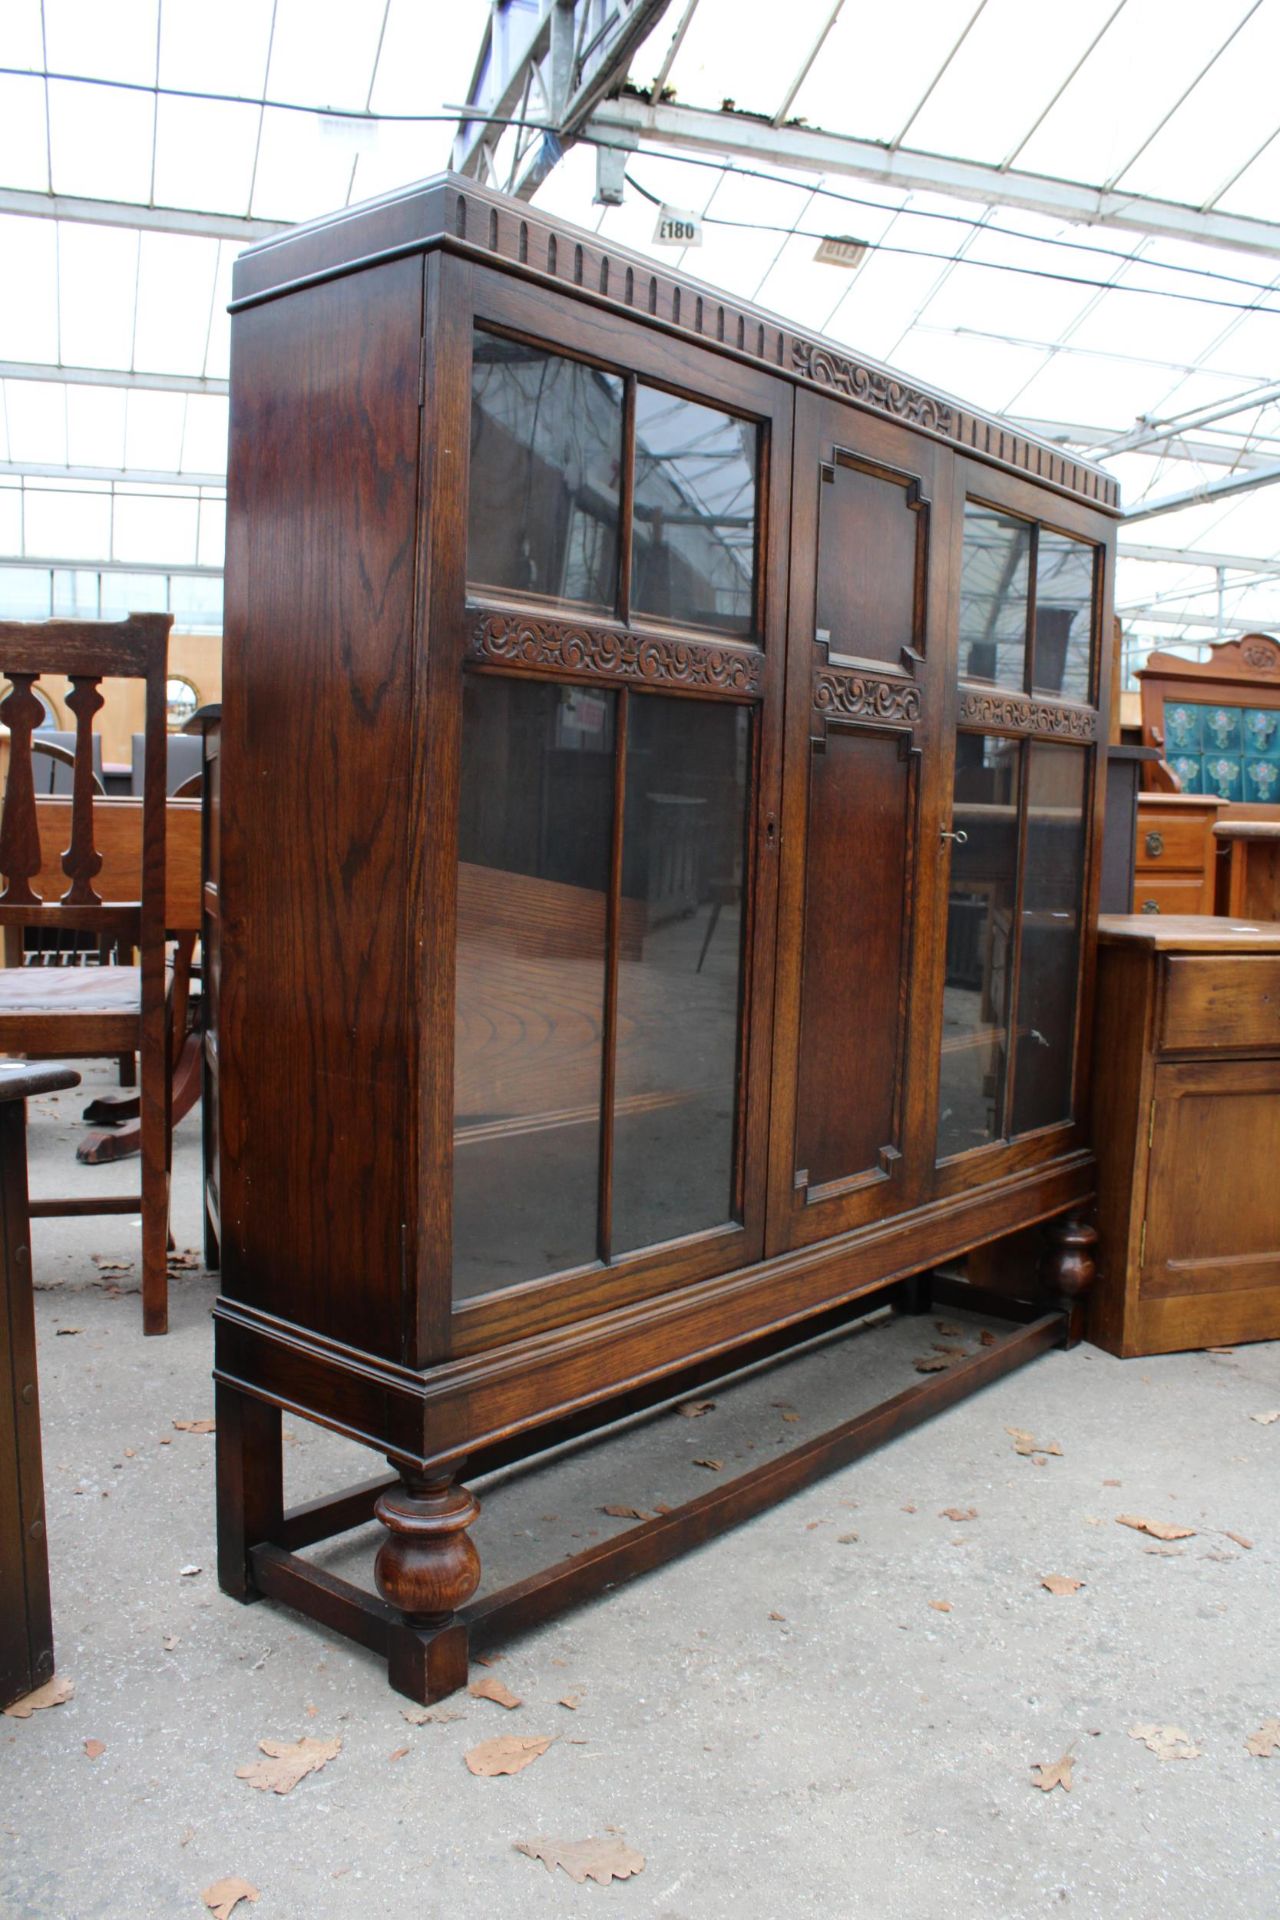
point(345, 986)
point(92, 1010)
point(26, 1620)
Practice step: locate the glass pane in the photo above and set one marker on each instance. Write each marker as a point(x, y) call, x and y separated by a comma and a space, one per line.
point(993, 596)
point(695, 514)
point(1053, 875)
point(975, 1017)
point(1064, 616)
point(534, 833)
point(679, 968)
point(546, 453)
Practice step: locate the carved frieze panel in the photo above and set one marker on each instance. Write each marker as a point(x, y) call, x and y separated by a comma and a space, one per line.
point(550, 645)
point(1017, 713)
point(870, 386)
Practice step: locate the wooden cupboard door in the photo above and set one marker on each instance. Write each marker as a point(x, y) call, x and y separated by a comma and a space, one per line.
point(859, 886)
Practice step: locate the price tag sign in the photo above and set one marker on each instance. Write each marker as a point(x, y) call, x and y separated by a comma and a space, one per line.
point(677, 229)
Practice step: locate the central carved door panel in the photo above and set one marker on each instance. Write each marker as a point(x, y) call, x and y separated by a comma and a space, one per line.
point(867, 715)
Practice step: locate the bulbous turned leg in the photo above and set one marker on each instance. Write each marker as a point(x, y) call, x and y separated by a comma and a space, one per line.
point(1069, 1269)
point(427, 1567)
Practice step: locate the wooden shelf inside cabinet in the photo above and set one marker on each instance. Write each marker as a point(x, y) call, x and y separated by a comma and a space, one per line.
point(1187, 1126)
point(570, 749)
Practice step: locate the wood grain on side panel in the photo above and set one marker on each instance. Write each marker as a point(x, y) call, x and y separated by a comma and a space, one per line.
point(317, 703)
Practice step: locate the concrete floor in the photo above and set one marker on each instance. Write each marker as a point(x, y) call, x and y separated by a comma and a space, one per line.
point(781, 1723)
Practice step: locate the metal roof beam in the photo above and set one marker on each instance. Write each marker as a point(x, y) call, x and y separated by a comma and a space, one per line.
point(113, 377)
point(1197, 557)
point(128, 213)
point(122, 476)
point(1177, 446)
point(1202, 496)
point(703, 130)
point(39, 565)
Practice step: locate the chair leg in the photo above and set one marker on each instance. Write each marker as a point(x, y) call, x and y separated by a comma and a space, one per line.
point(154, 1079)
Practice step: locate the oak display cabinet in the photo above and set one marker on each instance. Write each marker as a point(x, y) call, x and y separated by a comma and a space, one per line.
point(659, 827)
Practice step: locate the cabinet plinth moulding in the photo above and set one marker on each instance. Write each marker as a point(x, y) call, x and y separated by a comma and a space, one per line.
point(633, 988)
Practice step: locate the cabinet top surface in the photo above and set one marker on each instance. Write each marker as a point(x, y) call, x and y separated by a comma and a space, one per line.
point(1247, 830)
point(455, 214)
point(1189, 933)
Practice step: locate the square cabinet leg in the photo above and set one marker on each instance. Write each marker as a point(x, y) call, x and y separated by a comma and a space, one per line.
point(250, 1485)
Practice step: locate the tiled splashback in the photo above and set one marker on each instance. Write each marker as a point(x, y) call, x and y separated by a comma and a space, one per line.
point(1232, 753)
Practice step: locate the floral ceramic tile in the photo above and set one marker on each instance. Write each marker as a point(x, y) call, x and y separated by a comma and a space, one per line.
point(1182, 727)
point(1262, 780)
point(1186, 771)
point(1262, 731)
point(1223, 775)
point(1221, 729)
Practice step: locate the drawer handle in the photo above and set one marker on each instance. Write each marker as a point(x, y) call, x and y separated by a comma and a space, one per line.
point(1151, 906)
point(1155, 845)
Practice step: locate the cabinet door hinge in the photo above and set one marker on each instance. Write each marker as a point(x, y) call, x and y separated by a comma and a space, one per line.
point(422, 371)
point(1151, 1125)
point(1142, 1247)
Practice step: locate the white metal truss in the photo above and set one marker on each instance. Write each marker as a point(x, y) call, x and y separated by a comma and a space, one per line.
point(113, 377)
point(634, 119)
point(132, 214)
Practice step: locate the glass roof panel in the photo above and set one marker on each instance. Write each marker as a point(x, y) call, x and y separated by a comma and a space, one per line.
point(323, 52)
point(1151, 53)
point(112, 42)
point(986, 373)
point(153, 431)
point(427, 58)
point(871, 75)
point(217, 359)
point(100, 141)
point(204, 154)
point(175, 289)
point(37, 422)
point(213, 532)
point(1257, 191)
point(24, 152)
point(1236, 97)
point(1013, 62)
point(204, 438)
point(1114, 392)
point(23, 39)
point(29, 252)
point(67, 525)
point(304, 166)
point(155, 529)
point(222, 50)
point(718, 61)
point(97, 282)
point(10, 514)
point(95, 426)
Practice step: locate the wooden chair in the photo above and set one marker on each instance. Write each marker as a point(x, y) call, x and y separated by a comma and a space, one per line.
point(48, 1012)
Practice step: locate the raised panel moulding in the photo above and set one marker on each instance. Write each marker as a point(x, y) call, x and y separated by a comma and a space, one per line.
point(871, 387)
point(567, 647)
point(1015, 713)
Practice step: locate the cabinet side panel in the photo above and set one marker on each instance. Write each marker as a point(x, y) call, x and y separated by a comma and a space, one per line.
point(315, 1041)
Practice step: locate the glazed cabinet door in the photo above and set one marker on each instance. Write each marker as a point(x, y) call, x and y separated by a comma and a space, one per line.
point(618, 681)
point(859, 907)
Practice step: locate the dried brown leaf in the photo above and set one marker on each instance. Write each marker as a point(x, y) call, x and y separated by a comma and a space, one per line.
point(195, 1426)
point(940, 1606)
point(1265, 1741)
point(104, 1265)
point(1026, 1443)
point(509, 1753)
point(777, 1616)
point(716, 1466)
point(1158, 1529)
point(601, 1860)
point(958, 1513)
point(957, 1353)
point(946, 1328)
point(694, 1409)
point(1239, 1539)
point(399, 1753)
point(223, 1895)
point(1165, 1553)
point(1054, 1773)
point(62, 1330)
point(95, 1748)
point(54, 1693)
point(932, 1363)
point(845, 1539)
point(288, 1762)
point(1061, 1583)
point(1266, 1419)
point(1167, 1743)
point(986, 1338)
point(791, 1418)
point(627, 1513)
point(491, 1688)
point(429, 1716)
point(571, 1700)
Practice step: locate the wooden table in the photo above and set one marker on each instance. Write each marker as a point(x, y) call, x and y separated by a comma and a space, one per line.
point(1187, 1125)
point(26, 1621)
point(1252, 881)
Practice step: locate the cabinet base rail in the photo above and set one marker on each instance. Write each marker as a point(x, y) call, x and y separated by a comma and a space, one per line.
point(425, 1623)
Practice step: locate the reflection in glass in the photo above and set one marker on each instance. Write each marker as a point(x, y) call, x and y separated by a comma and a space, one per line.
point(679, 968)
point(979, 943)
point(1053, 874)
point(534, 832)
point(546, 455)
point(1064, 616)
point(695, 514)
point(993, 596)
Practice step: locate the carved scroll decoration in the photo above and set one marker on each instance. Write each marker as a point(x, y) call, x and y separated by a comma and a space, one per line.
point(1261, 653)
point(860, 696)
point(871, 387)
point(1015, 713)
point(565, 647)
